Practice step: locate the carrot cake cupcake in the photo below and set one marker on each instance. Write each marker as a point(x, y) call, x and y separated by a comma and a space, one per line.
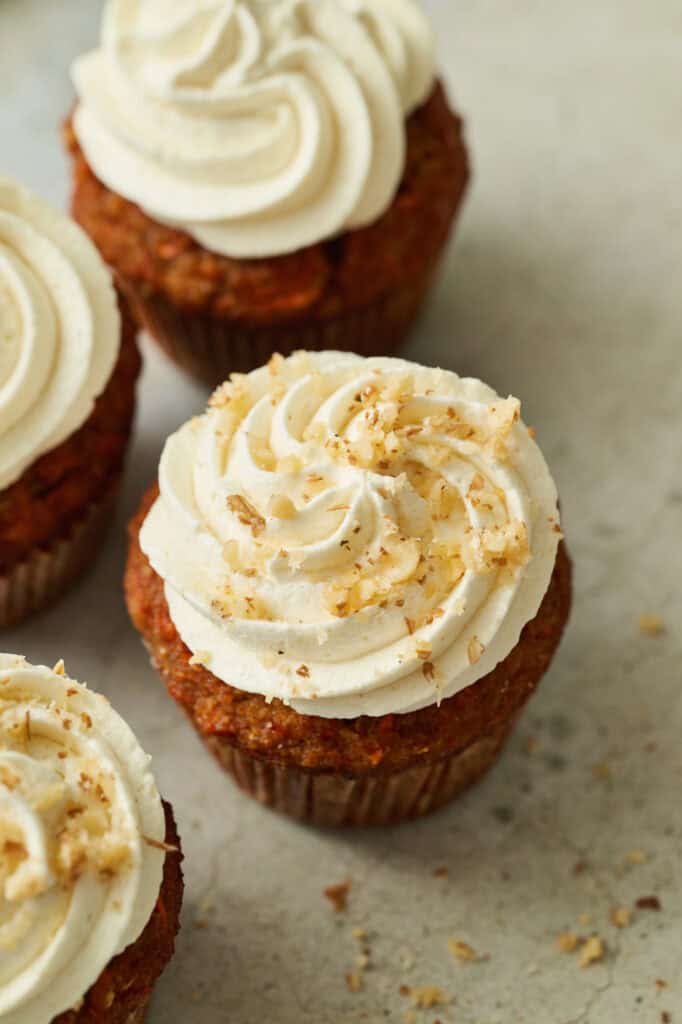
point(68, 368)
point(267, 174)
point(350, 577)
point(90, 878)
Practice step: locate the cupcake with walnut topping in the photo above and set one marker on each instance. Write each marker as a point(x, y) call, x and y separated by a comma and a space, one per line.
point(267, 176)
point(90, 879)
point(351, 577)
point(68, 369)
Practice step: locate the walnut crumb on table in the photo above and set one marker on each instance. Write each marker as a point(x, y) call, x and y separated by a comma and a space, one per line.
point(567, 942)
point(620, 917)
point(592, 951)
point(425, 997)
point(637, 857)
point(651, 625)
point(463, 952)
point(354, 981)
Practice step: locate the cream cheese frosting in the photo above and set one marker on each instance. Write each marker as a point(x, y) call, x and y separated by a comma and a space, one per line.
point(59, 329)
point(257, 126)
point(81, 835)
point(353, 536)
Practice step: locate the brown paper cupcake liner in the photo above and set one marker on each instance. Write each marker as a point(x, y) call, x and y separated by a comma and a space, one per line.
point(335, 801)
point(210, 348)
point(45, 574)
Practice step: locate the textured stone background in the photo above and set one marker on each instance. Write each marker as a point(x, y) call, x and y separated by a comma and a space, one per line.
point(563, 287)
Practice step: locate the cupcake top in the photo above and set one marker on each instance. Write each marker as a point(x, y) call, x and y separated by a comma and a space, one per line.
point(258, 126)
point(59, 329)
point(81, 840)
point(353, 536)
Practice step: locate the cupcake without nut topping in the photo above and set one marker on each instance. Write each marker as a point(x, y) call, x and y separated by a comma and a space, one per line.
point(68, 370)
point(351, 578)
point(265, 176)
point(90, 878)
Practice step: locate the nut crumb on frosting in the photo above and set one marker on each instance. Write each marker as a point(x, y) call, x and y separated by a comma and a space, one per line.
point(475, 650)
point(246, 513)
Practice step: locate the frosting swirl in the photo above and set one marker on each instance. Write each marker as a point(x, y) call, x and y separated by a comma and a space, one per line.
point(59, 329)
point(353, 536)
point(78, 811)
point(258, 126)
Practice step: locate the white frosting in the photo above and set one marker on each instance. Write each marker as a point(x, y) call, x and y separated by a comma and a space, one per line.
point(59, 329)
point(353, 536)
point(258, 126)
point(78, 876)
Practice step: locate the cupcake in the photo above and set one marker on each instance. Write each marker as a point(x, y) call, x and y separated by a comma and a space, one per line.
point(351, 578)
point(68, 368)
point(266, 176)
point(90, 878)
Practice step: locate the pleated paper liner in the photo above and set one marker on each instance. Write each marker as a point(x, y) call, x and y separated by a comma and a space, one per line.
point(37, 582)
point(336, 801)
point(210, 348)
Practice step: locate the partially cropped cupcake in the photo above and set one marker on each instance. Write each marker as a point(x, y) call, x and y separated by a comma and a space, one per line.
point(90, 877)
point(265, 175)
point(68, 368)
point(351, 579)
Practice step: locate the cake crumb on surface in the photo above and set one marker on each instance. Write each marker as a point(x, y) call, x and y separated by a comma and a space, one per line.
point(648, 903)
point(338, 895)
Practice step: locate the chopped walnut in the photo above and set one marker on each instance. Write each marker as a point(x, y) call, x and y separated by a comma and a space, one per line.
point(246, 513)
point(475, 650)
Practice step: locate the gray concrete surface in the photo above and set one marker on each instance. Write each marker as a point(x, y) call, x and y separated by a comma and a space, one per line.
point(563, 287)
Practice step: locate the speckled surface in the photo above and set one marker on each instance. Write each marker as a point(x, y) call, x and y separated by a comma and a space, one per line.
point(564, 288)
